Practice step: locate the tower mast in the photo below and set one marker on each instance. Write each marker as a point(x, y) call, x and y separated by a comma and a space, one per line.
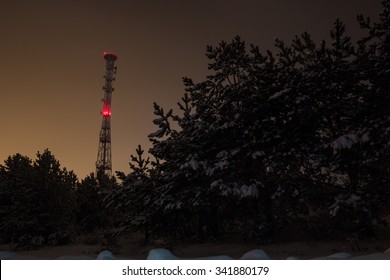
point(103, 162)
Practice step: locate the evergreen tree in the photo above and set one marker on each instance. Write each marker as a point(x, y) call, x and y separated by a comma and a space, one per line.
point(133, 198)
point(91, 213)
point(299, 138)
point(15, 187)
point(54, 186)
point(41, 200)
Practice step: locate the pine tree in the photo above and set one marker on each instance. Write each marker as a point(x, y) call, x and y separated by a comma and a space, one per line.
point(16, 184)
point(42, 202)
point(299, 138)
point(133, 198)
point(91, 213)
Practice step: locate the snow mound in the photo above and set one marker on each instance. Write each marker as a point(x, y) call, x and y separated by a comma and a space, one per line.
point(106, 255)
point(256, 254)
point(161, 254)
point(220, 257)
point(164, 254)
point(292, 258)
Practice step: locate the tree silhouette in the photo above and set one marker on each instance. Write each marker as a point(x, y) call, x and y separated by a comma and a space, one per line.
point(41, 200)
point(295, 138)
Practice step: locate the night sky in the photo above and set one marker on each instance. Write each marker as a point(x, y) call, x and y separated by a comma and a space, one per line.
point(52, 63)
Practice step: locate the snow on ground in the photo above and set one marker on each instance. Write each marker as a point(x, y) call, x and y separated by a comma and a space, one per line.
point(164, 254)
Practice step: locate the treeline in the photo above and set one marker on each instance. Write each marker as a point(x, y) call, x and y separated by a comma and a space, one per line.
point(42, 203)
point(288, 144)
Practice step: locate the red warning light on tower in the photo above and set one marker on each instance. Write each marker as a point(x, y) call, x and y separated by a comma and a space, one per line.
point(106, 112)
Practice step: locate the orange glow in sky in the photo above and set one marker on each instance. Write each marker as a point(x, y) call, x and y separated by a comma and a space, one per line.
point(51, 64)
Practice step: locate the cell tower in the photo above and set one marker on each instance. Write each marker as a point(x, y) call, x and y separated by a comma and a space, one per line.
point(103, 162)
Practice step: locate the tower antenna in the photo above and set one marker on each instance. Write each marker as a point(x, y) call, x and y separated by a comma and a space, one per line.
point(103, 162)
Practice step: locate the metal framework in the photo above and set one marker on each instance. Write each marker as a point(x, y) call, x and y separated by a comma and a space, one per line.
point(103, 162)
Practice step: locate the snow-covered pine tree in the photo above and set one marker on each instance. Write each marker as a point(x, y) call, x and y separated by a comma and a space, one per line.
point(296, 137)
point(213, 164)
point(133, 198)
